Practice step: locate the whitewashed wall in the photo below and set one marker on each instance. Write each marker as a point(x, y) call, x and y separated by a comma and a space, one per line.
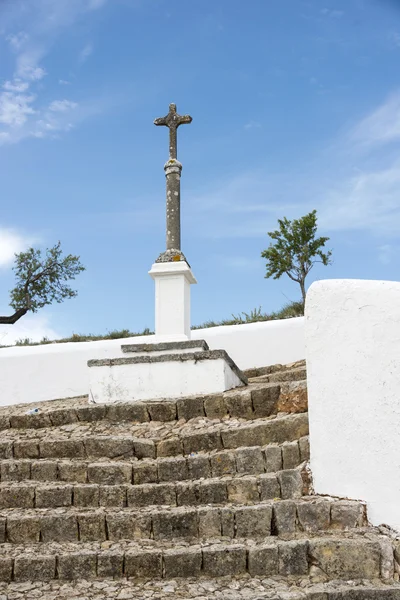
point(35, 373)
point(353, 369)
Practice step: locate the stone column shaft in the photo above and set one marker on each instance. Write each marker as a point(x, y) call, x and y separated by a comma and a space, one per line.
point(173, 170)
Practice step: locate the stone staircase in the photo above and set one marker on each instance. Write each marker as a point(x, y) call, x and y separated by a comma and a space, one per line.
point(206, 497)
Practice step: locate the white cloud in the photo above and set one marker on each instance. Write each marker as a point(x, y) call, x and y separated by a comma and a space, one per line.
point(32, 326)
point(85, 52)
point(11, 242)
point(15, 108)
point(15, 86)
point(380, 127)
point(64, 82)
point(62, 105)
point(17, 40)
point(253, 125)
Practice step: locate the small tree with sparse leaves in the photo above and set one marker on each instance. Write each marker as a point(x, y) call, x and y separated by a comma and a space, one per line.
point(296, 250)
point(41, 280)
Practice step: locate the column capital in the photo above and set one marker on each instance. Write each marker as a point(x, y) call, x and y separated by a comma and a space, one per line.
point(173, 166)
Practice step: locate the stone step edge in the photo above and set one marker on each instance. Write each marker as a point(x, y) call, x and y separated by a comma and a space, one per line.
point(253, 460)
point(294, 559)
point(266, 519)
point(286, 484)
point(243, 403)
point(261, 432)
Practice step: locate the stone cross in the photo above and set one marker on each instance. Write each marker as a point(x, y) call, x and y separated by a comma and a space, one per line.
point(173, 170)
point(172, 121)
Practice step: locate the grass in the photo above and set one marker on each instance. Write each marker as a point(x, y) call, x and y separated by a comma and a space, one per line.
point(290, 310)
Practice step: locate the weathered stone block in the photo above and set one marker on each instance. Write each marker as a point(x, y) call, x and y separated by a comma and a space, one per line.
point(314, 516)
point(263, 561)
point(239, 404)
point(187, 493)
point(164, 411)
point(23, 449)
point(190, 408)
point(44, 470)
point(63, 416)
point(91, 412)
point(6, 568)
point(135, 412)
point(21, 496)
point(170, 447)
point(265, 400)
point(91, 527)
point(202, 441)
point(171, 525)
point(347, 515)
point(182, 562)
point(199, 467)
point(291, 455)
point(72, 471)
point(223, 463)
point(209, 520)
point(23, 529)
point(34, 568)
point(113, 495)
point(6, 450)
point(243, 490)
point(214, 407)
point(30, 421)
point(173, 469)
point(54, 496)
point(110, 473)
point(59, 528)
point(152, 494)
point(144, 449)
point(293, 397)
point(273, 458)
point(145, 473)
point(62, 449)
point(227, 522)
point(3, 522)
point(293, 558)
point(143, 564)
point(250, 460)
point(269, 486)
point(253, 521)
point(213, 492)
point(246, 435)
point(108, 446)
point(86, 495)
point(304, 445)
point(284, 518)
point(125, 526)
point(77, 565)
point(15, 471)
point(291, 484)
point(110, 565)
point(4, 422)
point(346, 559)
point(222, 561)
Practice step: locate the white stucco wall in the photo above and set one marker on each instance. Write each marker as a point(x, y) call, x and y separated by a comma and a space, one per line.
point(36, 373)
point(352, 332)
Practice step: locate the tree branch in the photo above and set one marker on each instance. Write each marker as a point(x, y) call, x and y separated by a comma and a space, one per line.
point(13, 318)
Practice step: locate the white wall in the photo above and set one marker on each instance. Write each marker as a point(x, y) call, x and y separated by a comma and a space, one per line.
point(353, 369)
point(35, 373)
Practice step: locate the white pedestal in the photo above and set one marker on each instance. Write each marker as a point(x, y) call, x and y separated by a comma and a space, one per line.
point(172, 299)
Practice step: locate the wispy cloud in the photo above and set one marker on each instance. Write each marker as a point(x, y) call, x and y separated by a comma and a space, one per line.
point(380, 127)
point(86, 51)
point(12, 242)
point(31, 34)
point(253, 125)
point(332, 13)
point(385, 254)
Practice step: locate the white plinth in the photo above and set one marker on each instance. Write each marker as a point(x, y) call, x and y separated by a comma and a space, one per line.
point(166, 370)
point(172, 299)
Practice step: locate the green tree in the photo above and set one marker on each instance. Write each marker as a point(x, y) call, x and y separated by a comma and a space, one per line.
point(295, 250)
point(41, 280)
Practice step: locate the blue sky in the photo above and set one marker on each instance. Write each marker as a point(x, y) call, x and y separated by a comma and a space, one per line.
point(295, 105)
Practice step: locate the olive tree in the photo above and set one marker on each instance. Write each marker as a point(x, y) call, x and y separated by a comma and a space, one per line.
point(41, 280)
point(295, 250)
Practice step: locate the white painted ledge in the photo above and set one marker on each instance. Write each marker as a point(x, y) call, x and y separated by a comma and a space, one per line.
point(353, 373)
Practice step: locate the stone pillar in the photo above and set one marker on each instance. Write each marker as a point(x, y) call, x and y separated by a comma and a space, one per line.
point(172, 295)
point(173, 170)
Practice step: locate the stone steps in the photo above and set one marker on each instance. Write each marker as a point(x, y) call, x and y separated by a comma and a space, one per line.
point(322, 558)
point(114, 488)
point(95, 440)
point(260, 520)
point(238, 461)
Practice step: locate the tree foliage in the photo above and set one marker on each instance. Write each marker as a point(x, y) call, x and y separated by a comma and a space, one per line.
point(42, 280)
point(295, 249)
